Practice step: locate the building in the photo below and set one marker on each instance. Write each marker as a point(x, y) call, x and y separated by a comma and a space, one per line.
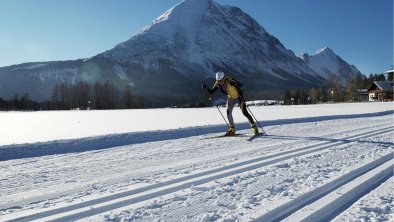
point(390, 73)
point(363, 95)
point(263, 103)
point(381, 91)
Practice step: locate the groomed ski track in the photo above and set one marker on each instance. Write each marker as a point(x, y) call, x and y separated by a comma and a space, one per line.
point(275, 150)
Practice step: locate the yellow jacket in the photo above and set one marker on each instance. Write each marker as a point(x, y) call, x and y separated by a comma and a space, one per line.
point(229, 87)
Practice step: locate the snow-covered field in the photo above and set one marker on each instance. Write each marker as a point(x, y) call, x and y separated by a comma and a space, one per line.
point(317, 163)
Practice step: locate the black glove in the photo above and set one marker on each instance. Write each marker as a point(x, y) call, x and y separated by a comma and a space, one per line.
point(204, 86)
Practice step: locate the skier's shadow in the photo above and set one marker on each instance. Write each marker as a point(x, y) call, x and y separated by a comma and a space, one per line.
point(20, 151)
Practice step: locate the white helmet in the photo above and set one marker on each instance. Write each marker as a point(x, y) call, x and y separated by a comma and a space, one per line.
point(219, 75)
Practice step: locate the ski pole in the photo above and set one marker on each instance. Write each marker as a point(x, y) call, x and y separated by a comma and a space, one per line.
point(210, 98)
point(256, 120)
point(222, 116)
point(254, 117)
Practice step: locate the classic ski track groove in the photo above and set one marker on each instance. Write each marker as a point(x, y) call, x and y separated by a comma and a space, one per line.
point(272, 146)
point(105, 204)
point(334, 208)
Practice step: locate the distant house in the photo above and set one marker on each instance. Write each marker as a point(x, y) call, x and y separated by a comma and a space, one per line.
point(381, 91)
point(262, 103)
point(363, 95)
point(390, 72)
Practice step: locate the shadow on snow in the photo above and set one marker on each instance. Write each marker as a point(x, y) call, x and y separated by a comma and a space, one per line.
point(10, 152)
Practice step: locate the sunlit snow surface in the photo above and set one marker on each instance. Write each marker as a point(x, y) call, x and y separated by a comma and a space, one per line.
point(331, 161)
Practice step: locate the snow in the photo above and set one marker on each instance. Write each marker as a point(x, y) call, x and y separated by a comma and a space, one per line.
point(317, 161)
point(375, 206)
point(204, 35)
point(31, 66)
point(32, 127)
point(186, 16)
point(326, 64)
point(120, 72)
point(60, 74)
point(177, 27)
point(325, 50)
point(324, 61)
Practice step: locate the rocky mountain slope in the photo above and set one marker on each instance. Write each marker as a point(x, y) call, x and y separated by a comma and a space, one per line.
point(166, 61)
point(326, 63)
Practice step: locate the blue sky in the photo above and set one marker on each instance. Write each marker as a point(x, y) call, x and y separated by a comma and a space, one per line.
point(360, 31)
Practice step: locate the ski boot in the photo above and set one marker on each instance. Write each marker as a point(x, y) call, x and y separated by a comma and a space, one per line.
point(255, 129)
point(230, 131)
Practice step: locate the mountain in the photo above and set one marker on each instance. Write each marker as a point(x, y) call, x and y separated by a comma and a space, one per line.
point(199, 37)
point(37, 79)
point(166, 61)
point(326, 63)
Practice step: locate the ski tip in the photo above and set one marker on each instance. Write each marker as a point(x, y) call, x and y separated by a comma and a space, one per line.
point(255, 136)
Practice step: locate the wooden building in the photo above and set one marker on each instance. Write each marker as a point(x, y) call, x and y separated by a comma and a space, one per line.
point(381, 91)
point(363, 95)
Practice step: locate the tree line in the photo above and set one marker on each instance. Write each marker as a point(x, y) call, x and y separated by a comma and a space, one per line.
point(104, 95)
point(22, 103)
point(83, 95)
point(330, 91)
point(80, 96)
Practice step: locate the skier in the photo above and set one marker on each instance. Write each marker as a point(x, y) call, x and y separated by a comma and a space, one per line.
point(231, 87)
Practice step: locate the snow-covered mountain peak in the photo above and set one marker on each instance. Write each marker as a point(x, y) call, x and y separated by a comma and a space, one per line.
point(193, 5)
point(326, 63)
point(206, 36)
point(185, 15)
point(304, 56)
point(325, 51)
point(186, 44)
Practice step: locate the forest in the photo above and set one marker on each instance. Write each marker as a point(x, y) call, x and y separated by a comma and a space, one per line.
point(104, 95)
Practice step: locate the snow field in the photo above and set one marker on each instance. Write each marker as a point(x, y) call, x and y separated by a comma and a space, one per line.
point(345, 195)
point(375, 206)
point(192, 178)
point(224, 201)
point(52, 126)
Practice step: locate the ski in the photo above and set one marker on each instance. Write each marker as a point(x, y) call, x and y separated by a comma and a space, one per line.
point(223, 136)
point(256, 136)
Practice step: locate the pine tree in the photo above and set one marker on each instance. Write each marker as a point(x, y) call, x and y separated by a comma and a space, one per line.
point(127, 98)
point(351, 88)
point(287, 97)
point(313, 96)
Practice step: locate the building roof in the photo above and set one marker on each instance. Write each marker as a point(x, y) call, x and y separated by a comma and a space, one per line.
point(384, 85)
point(362, 91)
point(390, 71)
